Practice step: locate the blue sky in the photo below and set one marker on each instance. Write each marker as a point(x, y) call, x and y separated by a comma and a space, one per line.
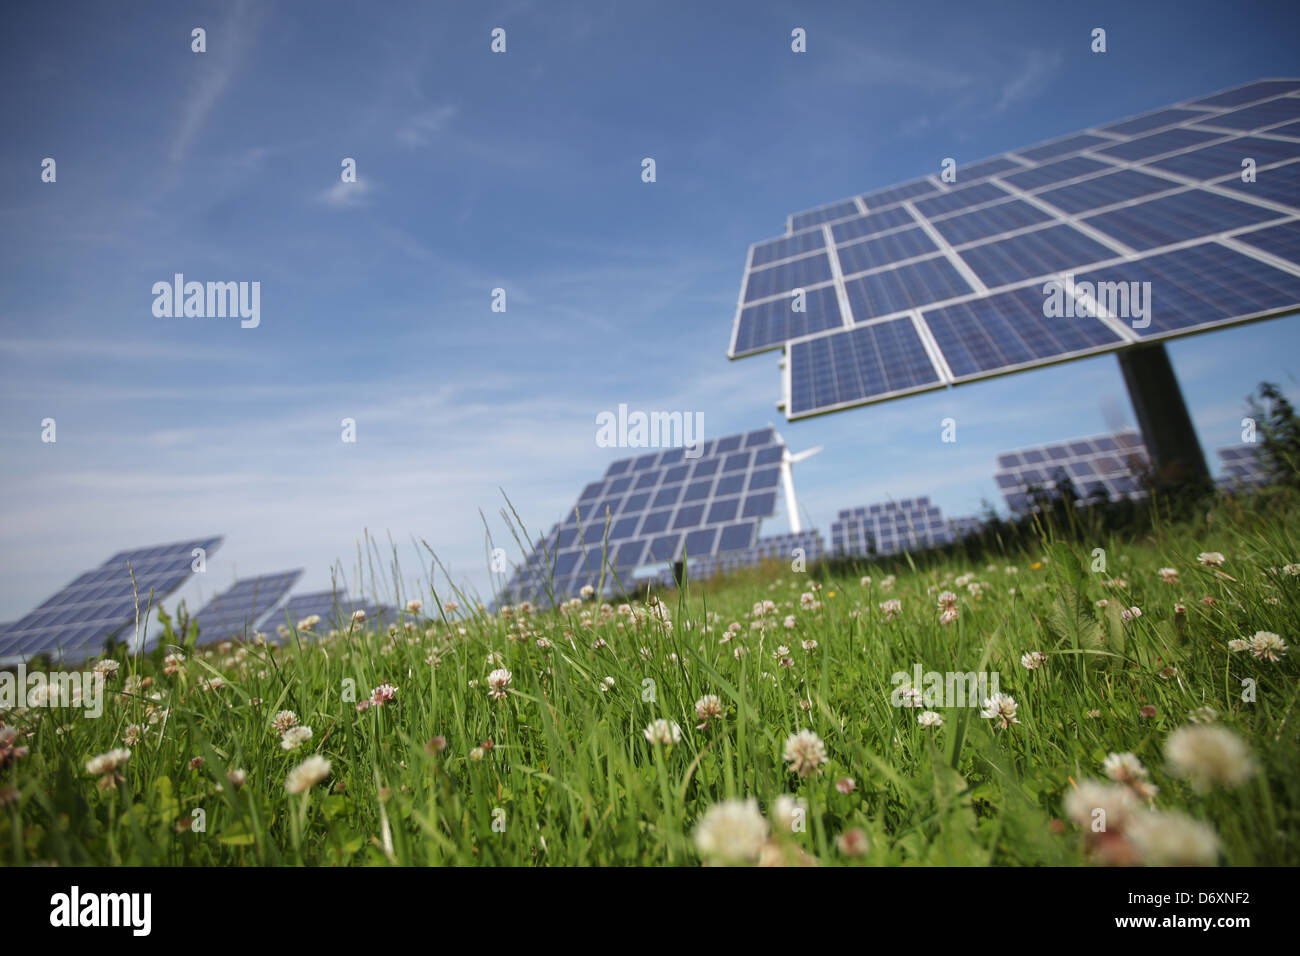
point(520, 171)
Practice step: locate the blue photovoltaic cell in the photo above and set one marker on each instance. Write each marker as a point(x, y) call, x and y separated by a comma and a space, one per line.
point(101, 604)
point(883, 293)
point(871, 223)
point(894, 247)
point(1041, 252)
point(970, 172)
point(1009, 329)
point(1281, 184)
point(884, 197)
point(815, 217)
point(1157, 144)
point(796, 274)
point(1269, 113)
point(1202, 285)
point(1106, 190)
point(990, 221)
point(770, 323)
point(1071, 144)
point(232, 614)
point(1057, 172)
point(786, 247)
point(1290, 129)
point(1153, 121)
point(1175, 218)
point(1282, 240)
point(1221, 159)
point(858, 363)
point(960, 198)
point(1248, 94)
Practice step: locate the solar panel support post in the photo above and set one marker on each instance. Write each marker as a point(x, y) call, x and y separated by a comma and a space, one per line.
point(1167, 431)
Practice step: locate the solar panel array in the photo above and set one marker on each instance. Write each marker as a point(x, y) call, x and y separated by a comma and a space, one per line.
point(1101, 466)
point(888, 528)
point(660, 506)
point(234, 613)
point(101, 604)
point(779, 547)
point(1243, 465)
point(930, 283)
point(964, 527)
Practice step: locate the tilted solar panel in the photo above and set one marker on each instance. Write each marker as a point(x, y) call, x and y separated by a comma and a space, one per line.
point(658, 507)
point(1097, 466)
point(1197, 202)
point(233, 614)
point(103, 603)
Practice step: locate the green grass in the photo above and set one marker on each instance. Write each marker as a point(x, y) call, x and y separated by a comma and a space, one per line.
point(570, 778)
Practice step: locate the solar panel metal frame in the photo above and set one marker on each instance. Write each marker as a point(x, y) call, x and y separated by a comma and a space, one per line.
point(1197, 115)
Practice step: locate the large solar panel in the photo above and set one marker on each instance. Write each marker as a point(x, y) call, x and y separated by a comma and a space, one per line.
point(656, 508)
point(102, 603)
point(932, 283)
point(889, 528)
point(233, 614)
point(1099, 466)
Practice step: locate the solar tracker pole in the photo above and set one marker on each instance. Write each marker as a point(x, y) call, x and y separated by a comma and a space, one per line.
point(1167, 431)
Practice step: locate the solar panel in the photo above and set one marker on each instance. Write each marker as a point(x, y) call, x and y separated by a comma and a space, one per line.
point(233, 614)
point(875, 361)
point(889, 528)
point(1099, 466)
point(658, 507)
point(953, 279)
point(334, 608)
point(102, 603)
point(1243, 465)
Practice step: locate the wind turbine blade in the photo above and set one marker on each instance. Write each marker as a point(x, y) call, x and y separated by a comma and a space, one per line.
point(805, 454)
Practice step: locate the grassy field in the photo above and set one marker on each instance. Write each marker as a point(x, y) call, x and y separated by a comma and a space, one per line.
point(672, 732)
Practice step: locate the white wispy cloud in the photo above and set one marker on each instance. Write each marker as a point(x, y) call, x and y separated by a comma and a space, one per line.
point(421, 128)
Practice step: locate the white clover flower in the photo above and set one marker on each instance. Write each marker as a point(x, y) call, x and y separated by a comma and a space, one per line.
point(1237, 645)
point(731, 832)
point(1033, 660)
point(663, 732)
point(1124, 768)
point(805, 752)
point(948, 615)
point(911, 697)
point(1130, 614)
point(607, 685)
point(1118, 806)
point(295, 737)
point(1210, 559)
point(358, 616)
point(929, 718)
point(1168, 575)
point(1000, 708)
point(892, 609)
point(790, 622)
point(1267, 646)
point(498, 681)
point(415, 605)
point(107, 763)
point(810, 646)
point(586, 591)
point(866, 581)
point(1170, 838)
point(1208, 756)
point(789, 813)
point(307, 774)
point(283, 720)
point(107, 669)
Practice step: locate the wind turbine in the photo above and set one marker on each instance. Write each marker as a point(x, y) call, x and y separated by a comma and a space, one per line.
point(787, 483)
